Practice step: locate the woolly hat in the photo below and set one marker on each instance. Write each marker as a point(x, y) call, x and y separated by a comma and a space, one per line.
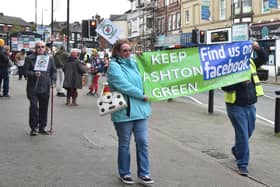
point(2, 42)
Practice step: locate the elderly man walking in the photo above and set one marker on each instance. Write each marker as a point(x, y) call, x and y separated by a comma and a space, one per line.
point(40, 70)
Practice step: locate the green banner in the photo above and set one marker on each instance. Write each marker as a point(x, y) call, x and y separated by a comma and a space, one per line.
point(180, 72)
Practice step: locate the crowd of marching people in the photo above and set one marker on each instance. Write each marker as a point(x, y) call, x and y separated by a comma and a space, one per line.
point(95, 65)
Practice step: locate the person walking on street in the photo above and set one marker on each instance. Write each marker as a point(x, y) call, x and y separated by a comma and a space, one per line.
point(74, 71)
point(40, 70)
point(123, 76)
point(96, 70)
point(20, 58)
point(4, 70)
point(60, 58)
point(240, 101)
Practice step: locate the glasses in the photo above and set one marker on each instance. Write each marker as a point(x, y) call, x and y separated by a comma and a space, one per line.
point(38, 47)
point(126, 50)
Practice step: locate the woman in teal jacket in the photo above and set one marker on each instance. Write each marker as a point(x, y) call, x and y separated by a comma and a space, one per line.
point(123, 76)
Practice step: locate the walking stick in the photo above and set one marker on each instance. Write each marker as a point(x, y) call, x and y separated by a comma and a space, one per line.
point(51, 127)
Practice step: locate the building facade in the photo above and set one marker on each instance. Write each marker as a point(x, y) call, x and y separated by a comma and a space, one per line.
point(9, 25)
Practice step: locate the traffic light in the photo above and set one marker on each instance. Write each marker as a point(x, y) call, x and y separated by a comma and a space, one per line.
point(202, 37)
point(85, 29)
point(194, 36)
point(93, 25)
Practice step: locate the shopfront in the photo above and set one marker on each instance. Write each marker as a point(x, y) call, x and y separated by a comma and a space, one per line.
point(167, 42)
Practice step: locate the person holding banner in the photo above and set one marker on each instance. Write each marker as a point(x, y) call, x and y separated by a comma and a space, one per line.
point(123, 76)
point(240, 101)
point(40, 70)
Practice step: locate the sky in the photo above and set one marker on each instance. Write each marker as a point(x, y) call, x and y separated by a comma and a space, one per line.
point(79, 9)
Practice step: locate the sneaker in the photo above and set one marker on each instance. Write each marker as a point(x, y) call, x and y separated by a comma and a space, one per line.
point(43, 132)
point(127, 179)
point(243, 171)
point(33, 133)
point(145, 180)
point(60, 94)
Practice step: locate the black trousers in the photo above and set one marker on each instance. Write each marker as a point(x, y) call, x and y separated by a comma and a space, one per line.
point(38, 110)
point(20, 72)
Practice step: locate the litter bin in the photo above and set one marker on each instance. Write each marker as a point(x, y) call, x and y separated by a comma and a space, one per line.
point(263, 74)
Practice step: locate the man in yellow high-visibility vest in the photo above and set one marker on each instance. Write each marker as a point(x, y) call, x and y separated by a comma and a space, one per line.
point(240, 101)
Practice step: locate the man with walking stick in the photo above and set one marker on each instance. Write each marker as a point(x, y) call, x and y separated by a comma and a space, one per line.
point(40, 70)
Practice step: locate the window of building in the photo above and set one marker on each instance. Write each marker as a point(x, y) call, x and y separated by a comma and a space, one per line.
point(267, 5)
point(169, 27)
point(236, 7)
point(129, 28)
point(242, 5)
point(222, 9)
point(163, 28)
point(79, 37)
point(178, 20)
point(247, 6)
point(174, 23)
point(134, 26)
point(150, 22)
point(187, 16)
point(160, 25)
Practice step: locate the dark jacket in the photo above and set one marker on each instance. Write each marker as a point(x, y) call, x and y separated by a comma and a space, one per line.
point(44, 81)
point(4, 59)
point(60, 58)
point(245, 91)
point(73, 72)
point(96, 65)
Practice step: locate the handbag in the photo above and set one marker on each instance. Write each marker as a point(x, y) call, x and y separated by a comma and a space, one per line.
point(109, 102)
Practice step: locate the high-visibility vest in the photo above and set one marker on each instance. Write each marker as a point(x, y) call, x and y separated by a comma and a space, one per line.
point(86, 57)
point(230, 97)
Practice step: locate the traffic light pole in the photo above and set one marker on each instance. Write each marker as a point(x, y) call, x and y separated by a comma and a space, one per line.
point(67, 28)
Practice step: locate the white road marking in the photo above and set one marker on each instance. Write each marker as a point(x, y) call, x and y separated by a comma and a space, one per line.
point(222, 109)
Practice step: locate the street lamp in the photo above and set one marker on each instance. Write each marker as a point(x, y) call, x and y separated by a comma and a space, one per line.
point(43, 15)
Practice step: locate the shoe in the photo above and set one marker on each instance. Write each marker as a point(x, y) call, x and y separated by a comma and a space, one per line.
point(43, 132)
point(33, 133)
point(243, 171)
point(60, 95)
point(233, 152)
point(127, 179)
point(6, 95)
point(89, 93)
point(145, 180)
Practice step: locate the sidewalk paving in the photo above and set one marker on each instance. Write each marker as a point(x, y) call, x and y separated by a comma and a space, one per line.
point(188, 147)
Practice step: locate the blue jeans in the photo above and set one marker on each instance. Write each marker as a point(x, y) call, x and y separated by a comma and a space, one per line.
point(243, 121)
point(140, 130)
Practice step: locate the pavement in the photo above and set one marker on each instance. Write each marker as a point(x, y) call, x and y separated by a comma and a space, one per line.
point(273, 80)
point(188, 147)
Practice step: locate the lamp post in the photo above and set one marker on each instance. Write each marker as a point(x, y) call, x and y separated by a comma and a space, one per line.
point(43, 15)
point(52, 19)
point(36, 15)
point(67, 27)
